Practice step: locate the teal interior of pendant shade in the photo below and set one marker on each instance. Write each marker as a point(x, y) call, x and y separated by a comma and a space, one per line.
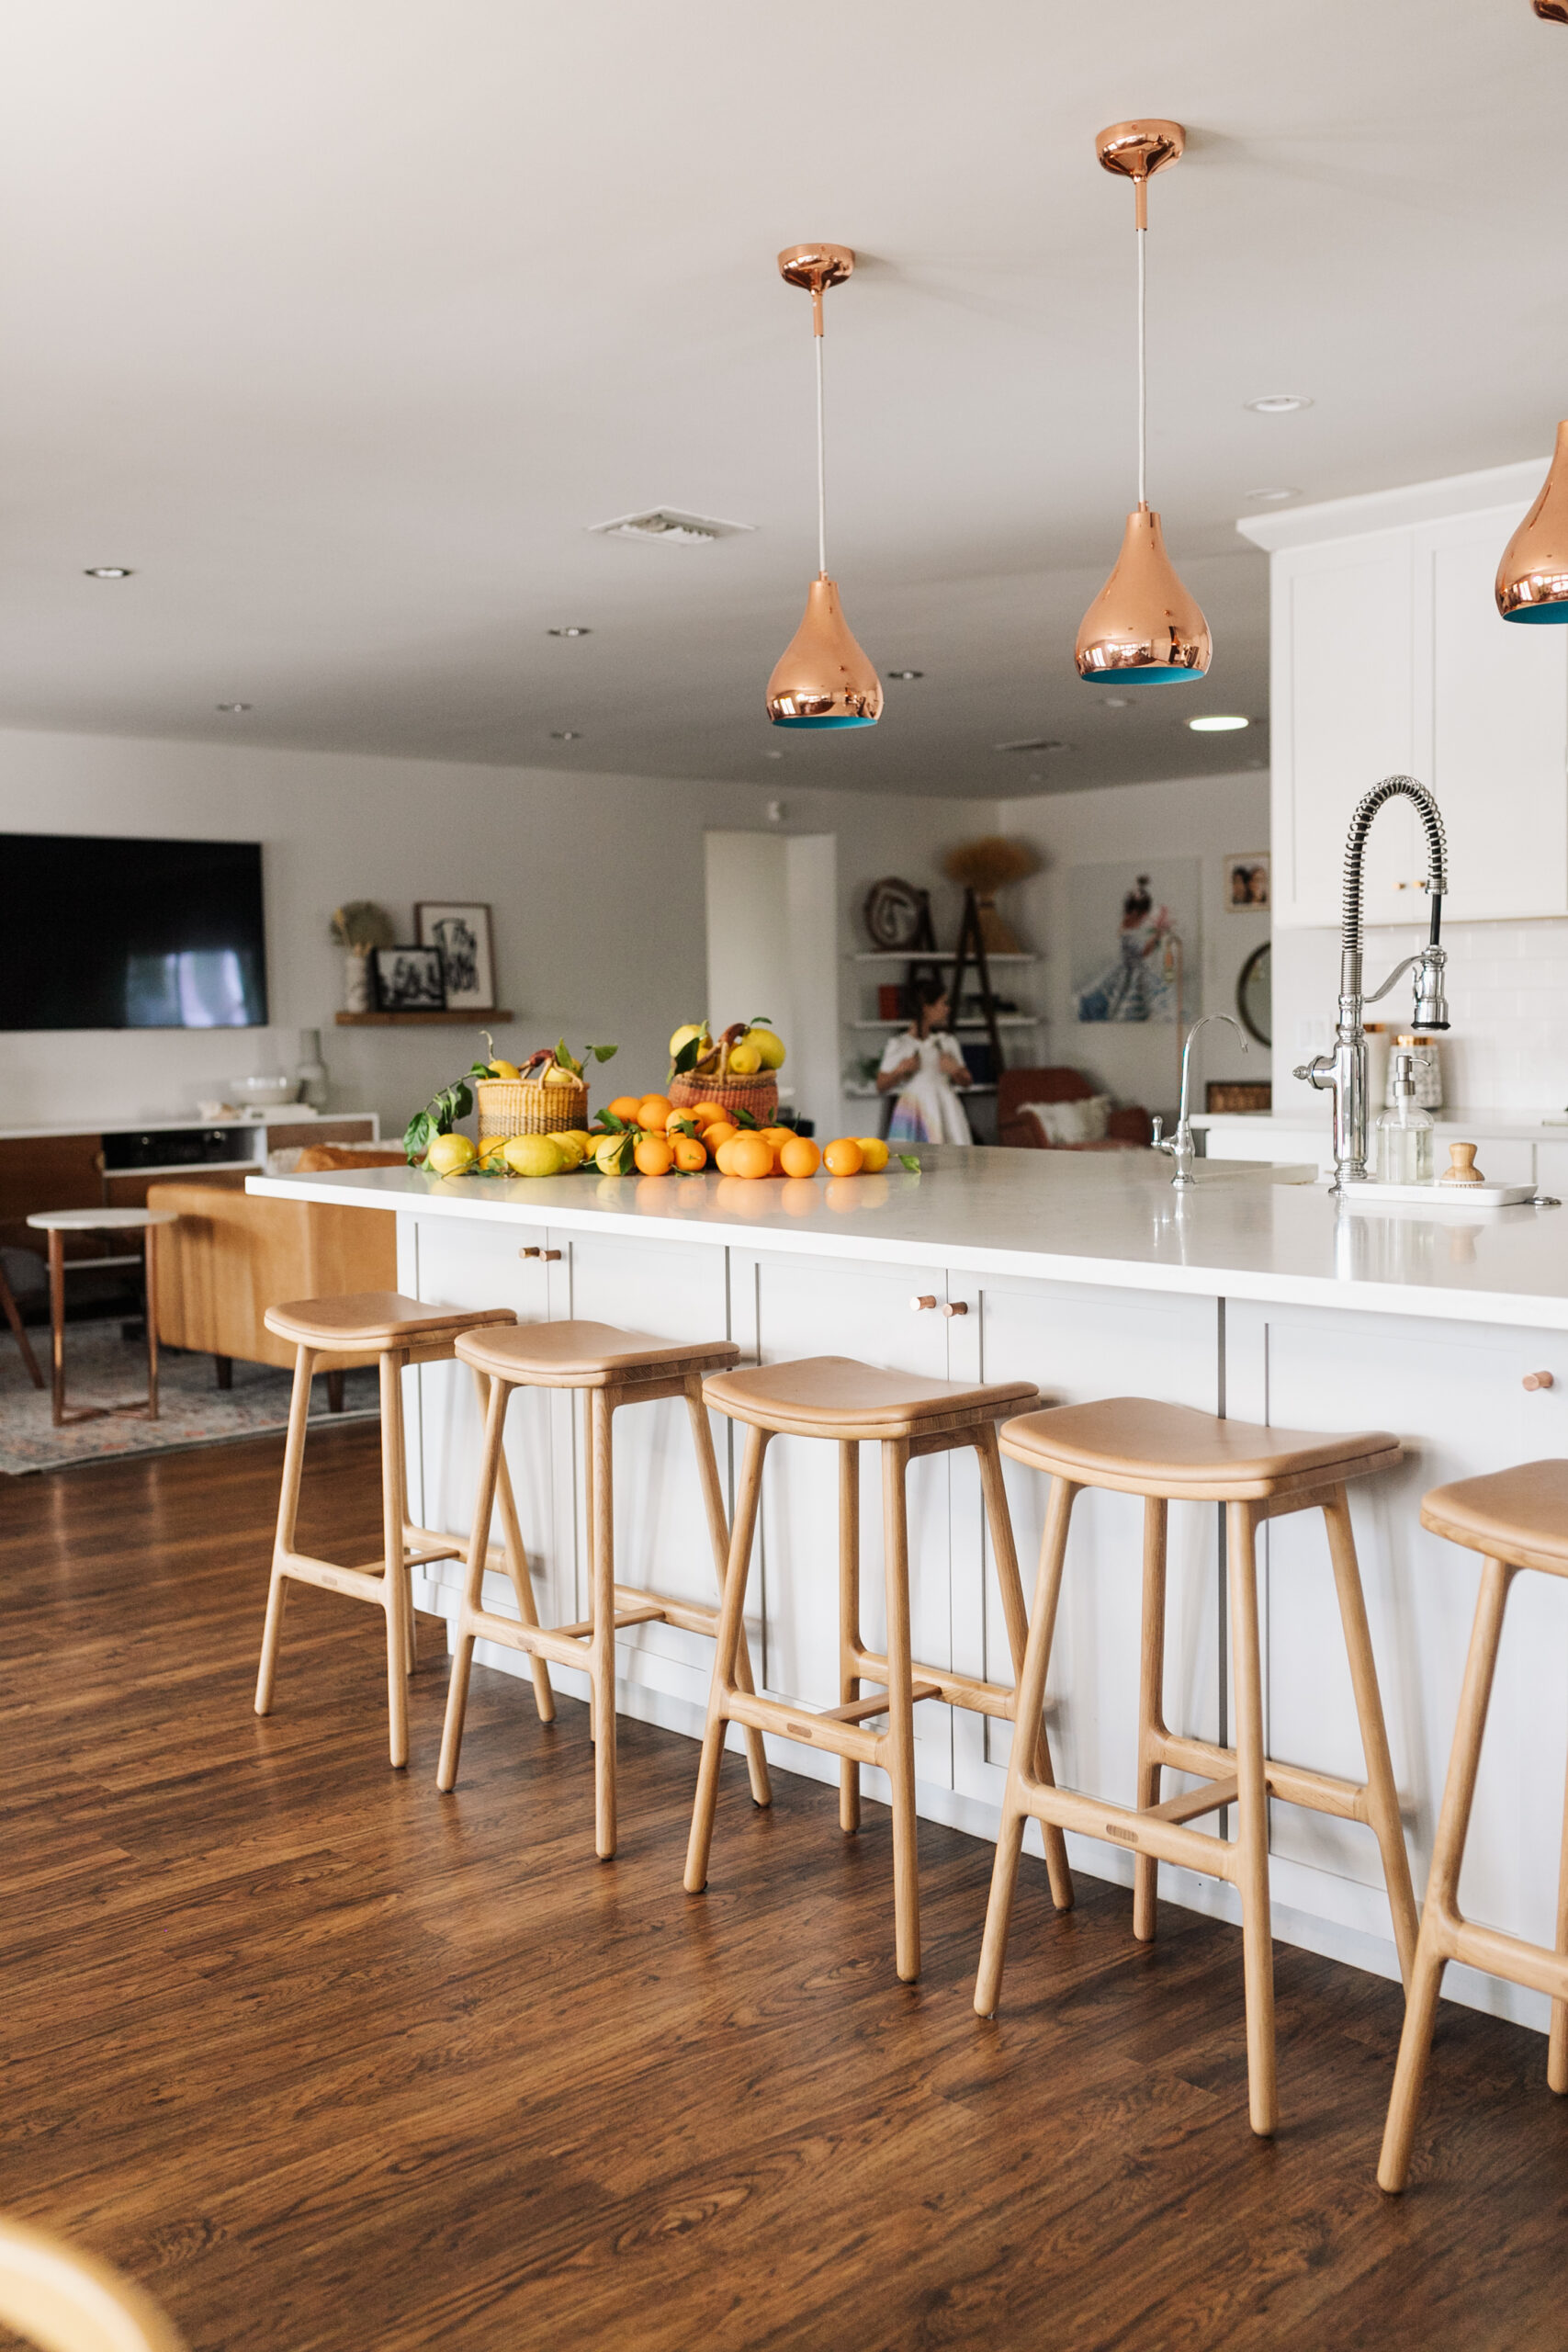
point(847, 721)
point(1140, 673)
point(1557, 611)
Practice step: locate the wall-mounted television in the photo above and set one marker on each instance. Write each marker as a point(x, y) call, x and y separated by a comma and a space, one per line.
point(131, 934)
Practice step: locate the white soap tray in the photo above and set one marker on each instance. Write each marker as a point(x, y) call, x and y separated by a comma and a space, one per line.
point(1436, 1195)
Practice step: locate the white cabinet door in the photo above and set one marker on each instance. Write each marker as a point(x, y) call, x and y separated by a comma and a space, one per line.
point(1494, 705)
point(810, 1306)
point(1342, 719)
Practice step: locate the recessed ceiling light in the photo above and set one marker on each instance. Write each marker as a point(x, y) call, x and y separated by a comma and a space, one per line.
point(230, 705)
point(564, 735)
point(1271, 497)
point(772, 756)
point(1218, 723)
point(1117, 701)
point(1277, 404)
point(109, 572)
point(573, 631)
point(905, 674)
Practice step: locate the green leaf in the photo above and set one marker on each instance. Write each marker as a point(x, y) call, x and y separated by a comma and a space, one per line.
point(604, 1053)
point(743, 1119)
point(761, 1020)
point(906, 1159)
point(689, 1056)
point(612, 1124)
point(416, 1137)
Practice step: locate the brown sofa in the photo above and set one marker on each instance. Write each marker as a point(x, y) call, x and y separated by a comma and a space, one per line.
point(1128, 1129)
point(231, 1257)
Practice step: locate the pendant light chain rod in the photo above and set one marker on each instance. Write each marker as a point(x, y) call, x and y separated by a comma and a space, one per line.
point(821, 471)
point(1141, 234)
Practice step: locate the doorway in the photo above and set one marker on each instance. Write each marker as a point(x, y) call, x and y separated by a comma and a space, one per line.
point(773, 948)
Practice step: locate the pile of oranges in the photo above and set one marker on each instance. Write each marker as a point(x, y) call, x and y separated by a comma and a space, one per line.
point(683, 1142)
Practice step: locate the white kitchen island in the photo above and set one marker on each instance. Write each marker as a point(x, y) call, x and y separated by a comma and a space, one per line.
point(1254, 1295)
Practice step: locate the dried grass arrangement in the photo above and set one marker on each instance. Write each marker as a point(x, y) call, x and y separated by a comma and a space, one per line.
point(986, 867)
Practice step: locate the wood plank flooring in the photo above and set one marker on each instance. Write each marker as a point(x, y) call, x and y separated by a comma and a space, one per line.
point(330, 2062)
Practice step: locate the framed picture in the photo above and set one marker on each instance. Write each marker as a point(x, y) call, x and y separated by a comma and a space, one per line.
point(462, 936)
point(1246, 881)
point(408, 980)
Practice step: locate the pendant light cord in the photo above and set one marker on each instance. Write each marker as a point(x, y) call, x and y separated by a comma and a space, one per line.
point(1141, 234)
point(821, 472)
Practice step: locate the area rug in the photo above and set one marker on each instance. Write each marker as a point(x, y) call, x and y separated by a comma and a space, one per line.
point(103, 1369)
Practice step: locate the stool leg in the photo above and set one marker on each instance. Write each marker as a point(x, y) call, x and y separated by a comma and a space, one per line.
point(1441, 1907)
point(1383, 1797)
point(589, 1523)
point(394, 1595)
point(282, 1543)
point(901, 1709)
point(718, 1533)
point(149, 1306)
point(473, 1586)
point(1557, 2046)
point(725, 1649)
point(1004, 1552)
point(517, 1564)
point(849, 1619)
point(57, 1324)
point(1151, 1707)
point(410, 1656)
point(602, 1609)
point(1021, 1772)
point(1252, 1815)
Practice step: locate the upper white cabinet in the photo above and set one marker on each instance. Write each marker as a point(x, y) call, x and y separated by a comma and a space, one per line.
point(1388, 656)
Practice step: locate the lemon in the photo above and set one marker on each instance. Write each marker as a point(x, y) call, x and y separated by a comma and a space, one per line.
point(449, 1155)
point(745, 1059)
point(684, 1035)
point(770, 1047)
point(613, 1156)
point(492, 1152)
point(505, 1069)
point(556, 1076)
point(535, 1156)
point(873, 1153)
point(567, 1144)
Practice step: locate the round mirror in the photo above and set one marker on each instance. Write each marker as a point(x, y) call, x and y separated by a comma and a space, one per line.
point(1255, 997)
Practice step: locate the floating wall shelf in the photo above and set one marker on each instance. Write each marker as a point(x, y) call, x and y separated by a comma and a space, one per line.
point(421, 1020)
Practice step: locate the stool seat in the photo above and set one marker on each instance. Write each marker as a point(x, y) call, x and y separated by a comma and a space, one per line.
point(373, 1320)
point(836, 1397)
point(587, 1355)
point(1520, 1515)
point(100, 1220)
point(1138, 1445)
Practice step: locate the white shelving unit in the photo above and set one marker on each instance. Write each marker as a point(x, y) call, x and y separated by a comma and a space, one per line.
point(871, 962)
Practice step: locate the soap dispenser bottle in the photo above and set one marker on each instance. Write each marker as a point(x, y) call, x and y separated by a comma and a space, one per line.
point(1404, 1130)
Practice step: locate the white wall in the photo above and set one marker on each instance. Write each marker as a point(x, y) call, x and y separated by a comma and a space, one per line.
point(596, 881)
point(1208, 818)
point(772, 903)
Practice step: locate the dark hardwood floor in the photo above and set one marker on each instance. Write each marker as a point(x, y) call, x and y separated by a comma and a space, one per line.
point(328, 2060)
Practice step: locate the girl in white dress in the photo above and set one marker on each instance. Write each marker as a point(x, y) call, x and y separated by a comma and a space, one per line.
point(923, 1065)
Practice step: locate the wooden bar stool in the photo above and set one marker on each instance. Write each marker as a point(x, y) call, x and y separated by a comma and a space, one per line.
point(612, 1368)
point(330, 1333)
point(1515, 1519)
point(849, 1403)
point(1170, 1453)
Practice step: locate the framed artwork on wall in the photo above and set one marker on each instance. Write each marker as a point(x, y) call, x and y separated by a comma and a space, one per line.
point(1246, 881)
point(408, 980)
point(461, 935)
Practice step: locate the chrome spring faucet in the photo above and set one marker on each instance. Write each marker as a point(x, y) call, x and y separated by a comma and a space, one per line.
point(1344, 1072)
point(1180, 1146)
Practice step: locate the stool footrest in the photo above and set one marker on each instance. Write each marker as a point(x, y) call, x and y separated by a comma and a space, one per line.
point(1510, 1957)
point(1140, 1832)
point(860, 1710)
point(689, 1616)
point(1292, 1783)
point(850, 1740)
point(365, 1584)
point(1191, 1803)
point(966, 1690)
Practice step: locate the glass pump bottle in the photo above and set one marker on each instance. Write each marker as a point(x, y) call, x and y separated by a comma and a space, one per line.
point(1404, 1130)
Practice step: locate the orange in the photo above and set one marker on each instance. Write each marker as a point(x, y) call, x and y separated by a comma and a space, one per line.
point(653, 1110)
point(720, 1131)
point(721, 1152)
point(800, 1157)
point(776, 1136)
point(679, 1122)
point(689, 1155)
point(873, 1154)
point(654, 1156)
point(750, 1156)
point(705, 1113)
point(843, 1157)
point(626, 1106)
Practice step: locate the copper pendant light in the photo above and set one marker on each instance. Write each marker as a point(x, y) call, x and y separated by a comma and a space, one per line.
point(1143, 627)
point(1555, 12)
point(1532, 579)
point(822, 679)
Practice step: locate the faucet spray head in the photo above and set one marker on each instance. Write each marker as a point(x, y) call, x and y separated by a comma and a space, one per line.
point(1431, 1003)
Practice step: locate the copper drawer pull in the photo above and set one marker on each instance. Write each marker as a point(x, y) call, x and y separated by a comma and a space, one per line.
point(919, 1304)
point(958, 1306)
point(546, 1254)
point(1540, 1380)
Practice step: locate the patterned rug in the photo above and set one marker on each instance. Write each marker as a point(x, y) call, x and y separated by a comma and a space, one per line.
point(103, 1369)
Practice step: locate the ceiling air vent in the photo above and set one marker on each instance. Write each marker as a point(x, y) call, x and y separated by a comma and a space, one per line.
point(1033, 744)
point(669, 524)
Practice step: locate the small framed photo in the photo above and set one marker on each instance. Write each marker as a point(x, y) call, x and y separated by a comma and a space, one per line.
point(408, 979)
point(462, 936)
point(1246, 881)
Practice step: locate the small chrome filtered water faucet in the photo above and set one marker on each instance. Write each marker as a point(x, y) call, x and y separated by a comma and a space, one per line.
point(1180, 1146)
point(1344, 1072)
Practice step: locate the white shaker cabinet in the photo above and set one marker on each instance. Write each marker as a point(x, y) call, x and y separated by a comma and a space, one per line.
point(1388, 656)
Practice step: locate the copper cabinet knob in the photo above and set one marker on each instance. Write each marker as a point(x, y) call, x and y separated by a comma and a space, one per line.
point(958, 1306)
point(1540, 1380)
point(927, 1300)
point(547, 1255)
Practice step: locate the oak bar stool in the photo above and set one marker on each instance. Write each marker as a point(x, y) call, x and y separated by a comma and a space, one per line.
point(612, 1368)
point(1515, 1519)
point(849, 1403)
point(1166, 1453)
point(328, 1334)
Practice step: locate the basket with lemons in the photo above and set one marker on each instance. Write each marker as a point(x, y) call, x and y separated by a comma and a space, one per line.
point(533, 1116)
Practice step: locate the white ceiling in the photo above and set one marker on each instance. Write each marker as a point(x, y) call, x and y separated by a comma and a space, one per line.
point(340, 319)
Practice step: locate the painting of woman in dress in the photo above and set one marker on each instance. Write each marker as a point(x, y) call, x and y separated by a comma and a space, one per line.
point(1143, 983)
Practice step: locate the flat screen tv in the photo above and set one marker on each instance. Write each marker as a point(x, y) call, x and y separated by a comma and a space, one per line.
point(131, 934)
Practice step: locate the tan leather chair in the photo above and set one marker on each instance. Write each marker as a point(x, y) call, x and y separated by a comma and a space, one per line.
point(55, 2296)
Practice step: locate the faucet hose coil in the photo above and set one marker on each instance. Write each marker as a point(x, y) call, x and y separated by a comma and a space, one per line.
point(1392, 787)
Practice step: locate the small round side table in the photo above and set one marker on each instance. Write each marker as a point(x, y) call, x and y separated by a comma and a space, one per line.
point(57, 1224)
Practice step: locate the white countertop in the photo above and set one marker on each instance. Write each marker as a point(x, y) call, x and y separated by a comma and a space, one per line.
point(1244, 1230)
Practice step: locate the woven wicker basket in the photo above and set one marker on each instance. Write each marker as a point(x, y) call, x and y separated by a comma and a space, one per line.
point(513, 1106)
point(759, 1095)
